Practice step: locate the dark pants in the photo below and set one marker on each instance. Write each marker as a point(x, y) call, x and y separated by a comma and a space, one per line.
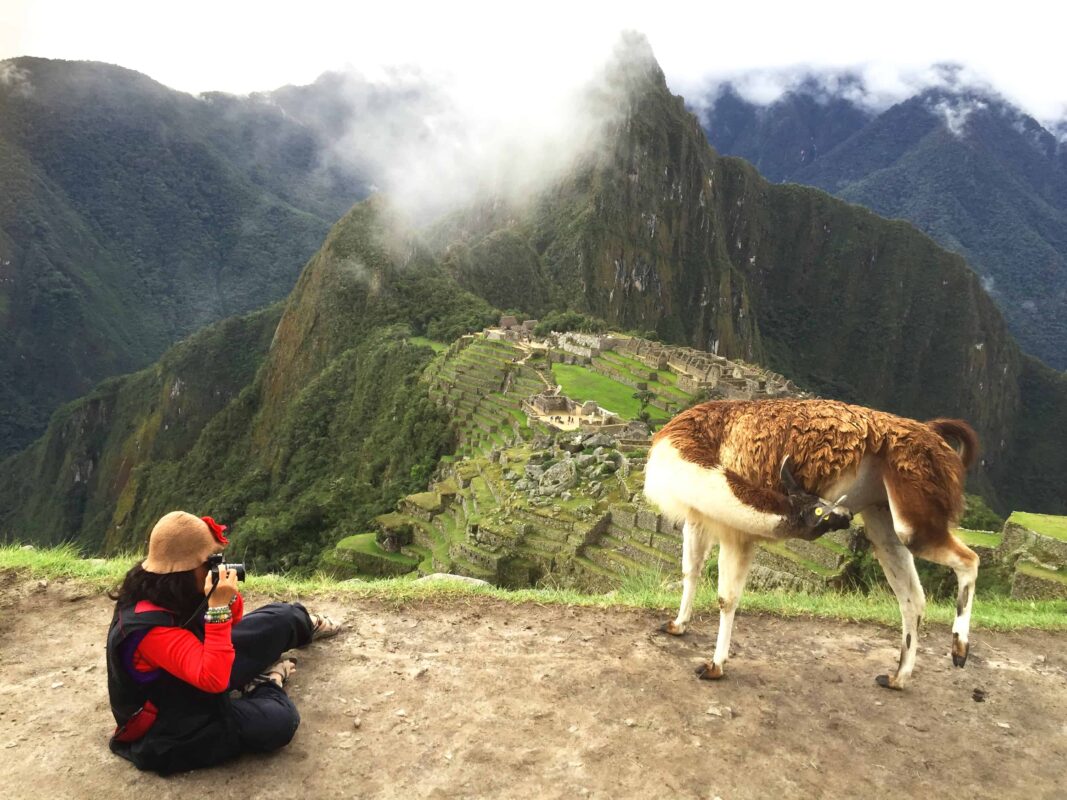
point(266, 718)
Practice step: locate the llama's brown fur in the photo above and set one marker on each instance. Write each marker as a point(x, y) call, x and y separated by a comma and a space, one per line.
point(891, 464)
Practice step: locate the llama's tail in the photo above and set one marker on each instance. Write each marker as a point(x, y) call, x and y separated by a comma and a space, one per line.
point(960, 435)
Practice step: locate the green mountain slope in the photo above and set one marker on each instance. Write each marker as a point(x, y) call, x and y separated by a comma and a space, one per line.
point(302, 428)
point(131, 216)
point(967, 168)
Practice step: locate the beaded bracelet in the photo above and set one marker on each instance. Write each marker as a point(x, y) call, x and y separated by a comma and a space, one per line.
point(218, 614)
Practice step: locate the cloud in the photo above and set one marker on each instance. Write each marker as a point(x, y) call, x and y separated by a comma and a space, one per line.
point(16, 79)
point(873, 86)
point(956, 111)
point(433, 142)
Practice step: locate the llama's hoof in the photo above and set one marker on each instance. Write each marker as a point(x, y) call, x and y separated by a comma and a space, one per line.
point(672, 629)
point(887, 682)
point(959, 651)
point(709, 672)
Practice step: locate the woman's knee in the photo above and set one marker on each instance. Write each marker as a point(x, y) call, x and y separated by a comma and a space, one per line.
point(268, 721)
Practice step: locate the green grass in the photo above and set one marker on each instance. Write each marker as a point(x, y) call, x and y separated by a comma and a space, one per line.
point(1041, 572)
point(366, 543)
point(643, 591)
point(422, 341)
point(663, 387)
point(979, 538)
point(1045, 524)
point(583, 384)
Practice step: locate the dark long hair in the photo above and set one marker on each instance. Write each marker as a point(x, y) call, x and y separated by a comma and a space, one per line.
point(179, 592)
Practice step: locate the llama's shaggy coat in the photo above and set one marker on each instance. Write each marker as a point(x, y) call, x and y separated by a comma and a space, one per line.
point(717, 467)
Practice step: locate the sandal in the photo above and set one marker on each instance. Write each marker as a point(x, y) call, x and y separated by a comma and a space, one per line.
point(322, 627)
point(278, 674)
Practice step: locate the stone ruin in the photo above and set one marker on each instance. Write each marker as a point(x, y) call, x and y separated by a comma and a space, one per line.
point(586, 345)
point(509, 329)
point(701, 372)
point(560, 412)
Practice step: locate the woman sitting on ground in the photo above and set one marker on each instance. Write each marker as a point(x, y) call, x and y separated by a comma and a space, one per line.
point(179, 643)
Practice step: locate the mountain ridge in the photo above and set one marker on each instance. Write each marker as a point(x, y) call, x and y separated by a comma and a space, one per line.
point(966, 167)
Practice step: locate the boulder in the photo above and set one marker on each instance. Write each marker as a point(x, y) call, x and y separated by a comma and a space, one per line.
point(534, 471)
point(599, 440)
point(559, 477)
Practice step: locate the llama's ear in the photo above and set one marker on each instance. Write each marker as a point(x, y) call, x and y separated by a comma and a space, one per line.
point(789, 483)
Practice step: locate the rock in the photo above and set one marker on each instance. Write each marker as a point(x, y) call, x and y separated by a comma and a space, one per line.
point(599, 440)
point(27, 547)
point(571, 445)
point(723, 712)
point(560, 477)
point(565, 496)
point(445, 576)
point(584, 460)
point(534, 471)
point(978, 696)
point(629, 722)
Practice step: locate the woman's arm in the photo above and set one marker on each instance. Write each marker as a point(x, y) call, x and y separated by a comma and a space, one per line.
point(206, 665)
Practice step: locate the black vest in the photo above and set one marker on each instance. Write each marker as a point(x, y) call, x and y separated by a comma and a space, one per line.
point(192, 728)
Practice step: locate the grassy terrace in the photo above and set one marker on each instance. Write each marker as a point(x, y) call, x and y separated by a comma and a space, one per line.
point(979, 538)
point(581, 384)
point(365, 543)
point(1045, 524)
point(422, 341)
point(644, 591)
point(658, 387)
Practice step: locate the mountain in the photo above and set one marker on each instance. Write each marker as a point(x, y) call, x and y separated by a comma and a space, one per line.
point(965, 166)
point(299, 433)
point(133, 215)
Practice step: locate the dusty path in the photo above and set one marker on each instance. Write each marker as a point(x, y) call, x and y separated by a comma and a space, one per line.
point(483, 699)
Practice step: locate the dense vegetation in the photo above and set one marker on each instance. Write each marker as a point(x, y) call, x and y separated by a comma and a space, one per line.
point(133, 215)
point(297, 431)
point(975, 173)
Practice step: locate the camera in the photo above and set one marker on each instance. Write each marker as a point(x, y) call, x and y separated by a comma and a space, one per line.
point(214, 562)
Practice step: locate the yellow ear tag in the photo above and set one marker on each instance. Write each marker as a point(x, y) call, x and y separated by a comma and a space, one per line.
point(818, 512)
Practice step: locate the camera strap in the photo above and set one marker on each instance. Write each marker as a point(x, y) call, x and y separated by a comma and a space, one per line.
point(203, 603)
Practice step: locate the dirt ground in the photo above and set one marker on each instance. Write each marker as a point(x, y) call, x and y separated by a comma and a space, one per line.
point(478, 698)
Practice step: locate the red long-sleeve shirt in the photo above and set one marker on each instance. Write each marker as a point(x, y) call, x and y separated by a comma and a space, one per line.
point(206, 665)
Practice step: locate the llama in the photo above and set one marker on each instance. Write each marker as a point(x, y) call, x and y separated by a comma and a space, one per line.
point(736, 472)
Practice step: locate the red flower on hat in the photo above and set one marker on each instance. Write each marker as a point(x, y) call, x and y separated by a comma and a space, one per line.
point(217, 530)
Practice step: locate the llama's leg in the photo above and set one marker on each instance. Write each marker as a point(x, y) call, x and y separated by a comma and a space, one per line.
point(696, 544)
point(735, 558)
point(899, 568)
point(964, 562)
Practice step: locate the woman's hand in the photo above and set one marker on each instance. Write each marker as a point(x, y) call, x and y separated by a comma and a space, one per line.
point(224, 591)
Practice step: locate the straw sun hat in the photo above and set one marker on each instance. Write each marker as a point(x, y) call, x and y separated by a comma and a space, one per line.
point(181, 541)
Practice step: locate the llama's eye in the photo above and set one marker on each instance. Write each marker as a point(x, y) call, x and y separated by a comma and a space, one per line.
point(818, 512)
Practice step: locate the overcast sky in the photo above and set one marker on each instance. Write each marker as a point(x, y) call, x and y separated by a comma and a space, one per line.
point(503, 50)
